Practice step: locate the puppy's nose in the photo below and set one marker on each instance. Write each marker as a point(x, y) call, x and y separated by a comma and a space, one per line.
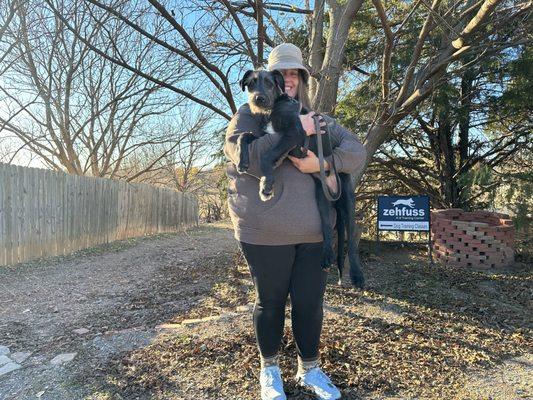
point(261, 100)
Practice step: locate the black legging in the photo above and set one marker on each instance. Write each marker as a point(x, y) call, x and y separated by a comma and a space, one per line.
point(277, 271)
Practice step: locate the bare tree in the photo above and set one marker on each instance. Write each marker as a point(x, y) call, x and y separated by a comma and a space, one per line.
point(6, 149)
point(188, 51)
point(7, 47)
point(224, 38)
point(7, 43)
point(86, 114)
point(193, 157)
point(180, 165)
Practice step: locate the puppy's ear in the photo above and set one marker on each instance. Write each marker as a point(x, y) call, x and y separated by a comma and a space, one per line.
point(244, 81)
point(278, 80)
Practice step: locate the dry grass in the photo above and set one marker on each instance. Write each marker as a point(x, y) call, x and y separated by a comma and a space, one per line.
point(417, 331)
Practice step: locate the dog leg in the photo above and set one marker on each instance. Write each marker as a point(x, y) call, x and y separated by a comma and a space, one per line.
point(266, 184)
point(356, 274)
point(341, 227)
point(328, 256)
point(244, 156)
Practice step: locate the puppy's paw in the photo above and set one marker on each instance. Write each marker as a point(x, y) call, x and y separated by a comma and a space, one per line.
point(265, 195)
point(358, 280)
point(266, 191)
point(243, 167)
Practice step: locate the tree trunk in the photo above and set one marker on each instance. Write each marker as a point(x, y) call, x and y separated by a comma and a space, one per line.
point(340, 17)
point(464, 123)
point(316, 54)
point(448, 178)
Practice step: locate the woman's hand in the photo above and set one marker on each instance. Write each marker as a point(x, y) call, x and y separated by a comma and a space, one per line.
point(309, 163)
point(309, 124)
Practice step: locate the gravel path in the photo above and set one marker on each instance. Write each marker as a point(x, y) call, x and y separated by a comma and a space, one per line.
point(100, 302)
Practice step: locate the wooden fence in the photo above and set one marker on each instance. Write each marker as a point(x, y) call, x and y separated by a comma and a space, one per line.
point(46, 213)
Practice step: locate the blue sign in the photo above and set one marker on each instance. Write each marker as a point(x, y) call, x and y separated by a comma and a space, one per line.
point(403, 213)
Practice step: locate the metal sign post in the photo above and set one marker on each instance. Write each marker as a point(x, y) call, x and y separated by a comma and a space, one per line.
point(404, 213)
point(377, 240)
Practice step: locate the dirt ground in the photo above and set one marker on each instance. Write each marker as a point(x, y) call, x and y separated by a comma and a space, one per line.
point(169, 317)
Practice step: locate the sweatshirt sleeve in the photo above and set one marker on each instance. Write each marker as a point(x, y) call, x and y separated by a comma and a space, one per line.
point(348, 150)
point(243, 122)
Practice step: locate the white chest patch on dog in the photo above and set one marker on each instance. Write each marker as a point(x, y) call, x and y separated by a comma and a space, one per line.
point(269, 129)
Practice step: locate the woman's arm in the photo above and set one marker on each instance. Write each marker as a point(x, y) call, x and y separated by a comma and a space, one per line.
point(242, 122)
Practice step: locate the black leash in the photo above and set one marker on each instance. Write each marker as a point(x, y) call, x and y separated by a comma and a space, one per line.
point(321, 160)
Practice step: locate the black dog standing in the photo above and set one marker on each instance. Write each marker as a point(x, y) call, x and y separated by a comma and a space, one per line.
point(281, 114)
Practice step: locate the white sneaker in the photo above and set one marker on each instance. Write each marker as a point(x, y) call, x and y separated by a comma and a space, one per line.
point(271, 384)
point(318, 382)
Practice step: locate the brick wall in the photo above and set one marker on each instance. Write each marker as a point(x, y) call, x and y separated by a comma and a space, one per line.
point(479, 238)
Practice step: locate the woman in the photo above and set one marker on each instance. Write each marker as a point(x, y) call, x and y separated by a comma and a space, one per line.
point(281, 239)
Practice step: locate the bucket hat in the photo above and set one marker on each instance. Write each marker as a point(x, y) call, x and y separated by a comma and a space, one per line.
point(287, 56)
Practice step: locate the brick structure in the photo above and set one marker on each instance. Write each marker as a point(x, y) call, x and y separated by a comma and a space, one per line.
point(479, 238)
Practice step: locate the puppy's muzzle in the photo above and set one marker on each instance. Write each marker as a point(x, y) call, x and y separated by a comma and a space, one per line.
point(261, 101)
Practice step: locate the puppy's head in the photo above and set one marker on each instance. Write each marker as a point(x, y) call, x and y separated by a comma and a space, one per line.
point(264, 87)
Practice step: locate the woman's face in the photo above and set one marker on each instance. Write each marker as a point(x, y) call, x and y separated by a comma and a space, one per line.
point(292, 80)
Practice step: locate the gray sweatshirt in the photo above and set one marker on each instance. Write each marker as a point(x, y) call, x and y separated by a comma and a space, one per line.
point(291, 216)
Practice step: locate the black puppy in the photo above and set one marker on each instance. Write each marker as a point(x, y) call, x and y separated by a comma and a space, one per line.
point(281, 112)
